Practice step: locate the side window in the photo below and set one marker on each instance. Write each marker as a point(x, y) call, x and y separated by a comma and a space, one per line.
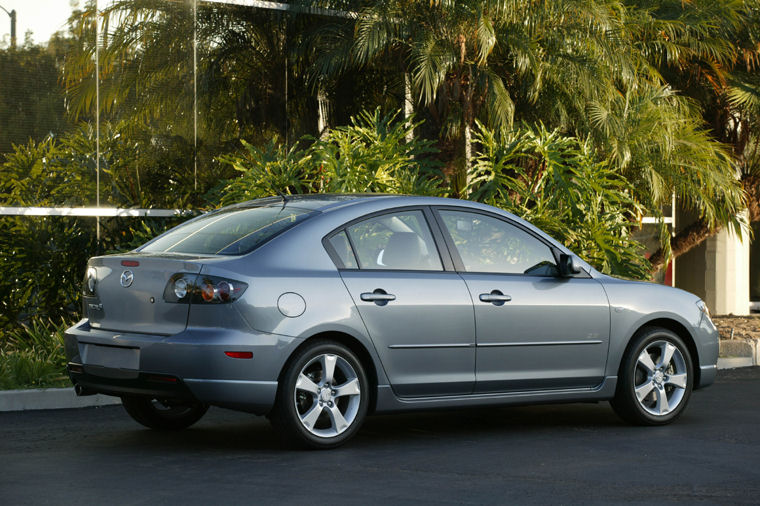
point(400, 240)
point(340, 244)
point(488, 244)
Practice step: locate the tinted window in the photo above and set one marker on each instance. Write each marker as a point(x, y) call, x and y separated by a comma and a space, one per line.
point(488, 244)
point(340, 244)
point(230, 232)
point(395, 241)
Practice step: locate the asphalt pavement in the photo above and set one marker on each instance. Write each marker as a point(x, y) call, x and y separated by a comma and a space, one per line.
point(559, 454)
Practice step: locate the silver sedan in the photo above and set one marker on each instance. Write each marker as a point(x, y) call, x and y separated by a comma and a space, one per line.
point(318, 310)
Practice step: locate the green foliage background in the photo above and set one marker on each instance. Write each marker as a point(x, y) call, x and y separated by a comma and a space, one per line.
point(580, 117)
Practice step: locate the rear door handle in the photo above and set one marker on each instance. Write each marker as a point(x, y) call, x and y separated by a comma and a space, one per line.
point(378, 296)
point(495, 297)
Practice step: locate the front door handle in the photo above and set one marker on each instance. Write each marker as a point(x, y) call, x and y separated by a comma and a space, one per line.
point(379, 297)
point(495, 297)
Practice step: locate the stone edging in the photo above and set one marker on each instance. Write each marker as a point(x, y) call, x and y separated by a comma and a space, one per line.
point(65, 398)
point(50, 398)
point(744, 351)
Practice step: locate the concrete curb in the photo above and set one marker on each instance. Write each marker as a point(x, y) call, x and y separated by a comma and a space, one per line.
point(739, 353)
point(734, 353)
point(735, 362)
point(50, 398)
point(65, 398)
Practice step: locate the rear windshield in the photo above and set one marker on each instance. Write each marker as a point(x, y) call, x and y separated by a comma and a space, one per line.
point(229, 232)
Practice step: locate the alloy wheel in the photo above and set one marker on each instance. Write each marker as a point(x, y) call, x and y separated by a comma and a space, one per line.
point(327, 395)
point(661, 378)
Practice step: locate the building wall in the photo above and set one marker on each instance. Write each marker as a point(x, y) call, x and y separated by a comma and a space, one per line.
point(718, 271)
point(754, 264)
point(727, 281)
point(691, 271)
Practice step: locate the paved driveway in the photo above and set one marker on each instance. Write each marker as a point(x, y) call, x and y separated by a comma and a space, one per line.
point(548, 454)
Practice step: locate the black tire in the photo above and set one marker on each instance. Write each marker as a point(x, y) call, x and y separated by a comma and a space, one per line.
point(654, 378)
point(163, 415)
point(323, 398)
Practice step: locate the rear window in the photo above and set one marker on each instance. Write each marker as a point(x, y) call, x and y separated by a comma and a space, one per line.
point(229, 232)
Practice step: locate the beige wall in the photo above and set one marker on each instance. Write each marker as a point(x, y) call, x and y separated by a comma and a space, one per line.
point(718, 271)
point(691, 269)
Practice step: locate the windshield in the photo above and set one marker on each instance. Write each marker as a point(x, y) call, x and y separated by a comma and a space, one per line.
point(234, 231)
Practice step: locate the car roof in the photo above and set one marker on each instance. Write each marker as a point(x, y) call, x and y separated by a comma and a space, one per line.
point(373, 202)
point(324, 202)
point(312, 201)
point(329, 202)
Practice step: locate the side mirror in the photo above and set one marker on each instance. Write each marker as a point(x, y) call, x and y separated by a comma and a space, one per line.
point(566, 266)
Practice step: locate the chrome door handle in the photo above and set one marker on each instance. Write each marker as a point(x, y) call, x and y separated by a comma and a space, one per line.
point(379, 297)
point(373, 297)
point(495, 297)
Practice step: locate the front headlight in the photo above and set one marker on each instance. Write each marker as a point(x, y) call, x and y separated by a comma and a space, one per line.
point(703, 308)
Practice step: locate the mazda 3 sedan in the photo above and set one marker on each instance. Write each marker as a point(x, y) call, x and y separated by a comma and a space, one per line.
point(318, 310)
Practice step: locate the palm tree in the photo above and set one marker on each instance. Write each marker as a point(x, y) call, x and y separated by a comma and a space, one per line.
point(243, 70)
point(708, 51)
point(591, 68)
point(146, 60)
point(595, 69)
point(475, 59)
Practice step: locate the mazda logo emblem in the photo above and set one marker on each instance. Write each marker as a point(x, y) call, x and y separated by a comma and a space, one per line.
point(126, 278)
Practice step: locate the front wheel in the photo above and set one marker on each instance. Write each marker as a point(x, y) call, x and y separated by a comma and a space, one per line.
point(655, 380)
point(323, 396)
point(163, 414)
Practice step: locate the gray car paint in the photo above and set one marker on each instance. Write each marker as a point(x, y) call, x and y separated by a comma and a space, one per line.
point(553, 333)
point(118, 308)
point(636, 304)
point(430, 355)
point(296, 262)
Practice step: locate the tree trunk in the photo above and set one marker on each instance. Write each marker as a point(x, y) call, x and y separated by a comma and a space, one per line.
point(468, 120)
point(323, 110)
point(408, 104)
point(694, 234)
point(467, 149)
point(685, 240)
point(751, 186)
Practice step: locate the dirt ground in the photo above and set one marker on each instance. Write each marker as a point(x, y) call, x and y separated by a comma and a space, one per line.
point(743, 326)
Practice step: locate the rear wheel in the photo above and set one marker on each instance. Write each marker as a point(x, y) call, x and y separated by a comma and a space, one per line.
point(656, 379)
point(323, 396)
point(163, 414)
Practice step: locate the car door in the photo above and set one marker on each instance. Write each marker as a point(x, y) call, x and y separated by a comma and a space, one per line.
point(418, 314)
point(535, 330)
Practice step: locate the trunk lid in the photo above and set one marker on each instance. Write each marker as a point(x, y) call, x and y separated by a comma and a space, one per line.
point(137, 305)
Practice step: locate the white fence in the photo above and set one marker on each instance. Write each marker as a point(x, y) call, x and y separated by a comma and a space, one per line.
point(93, 212)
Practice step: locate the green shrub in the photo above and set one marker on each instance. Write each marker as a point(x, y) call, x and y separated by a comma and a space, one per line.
point(372, 154)
point(29, 369)
point(369, 155)
point(42, 259)
point(32, 356)
point(554, 181)
point(559, 184)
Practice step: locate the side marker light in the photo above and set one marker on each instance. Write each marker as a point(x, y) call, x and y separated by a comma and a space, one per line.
point(239, 354)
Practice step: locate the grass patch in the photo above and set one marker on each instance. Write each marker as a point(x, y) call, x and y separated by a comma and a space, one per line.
point(32, 356)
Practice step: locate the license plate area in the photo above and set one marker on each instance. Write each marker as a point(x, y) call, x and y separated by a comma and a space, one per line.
point(115, 357)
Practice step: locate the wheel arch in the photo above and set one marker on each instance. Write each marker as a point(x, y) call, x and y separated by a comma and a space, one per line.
point(353, 344)
point(678, 329)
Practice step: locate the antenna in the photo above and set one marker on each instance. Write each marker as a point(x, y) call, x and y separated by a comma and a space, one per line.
point(283, 197)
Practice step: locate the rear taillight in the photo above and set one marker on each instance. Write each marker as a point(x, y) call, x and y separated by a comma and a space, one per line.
point(180, 288)
point(200, 289)
point(90, 281)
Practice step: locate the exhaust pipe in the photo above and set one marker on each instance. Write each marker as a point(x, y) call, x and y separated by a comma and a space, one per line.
point(82, 391)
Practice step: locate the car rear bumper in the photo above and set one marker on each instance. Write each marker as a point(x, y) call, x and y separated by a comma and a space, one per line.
point(191, 365)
